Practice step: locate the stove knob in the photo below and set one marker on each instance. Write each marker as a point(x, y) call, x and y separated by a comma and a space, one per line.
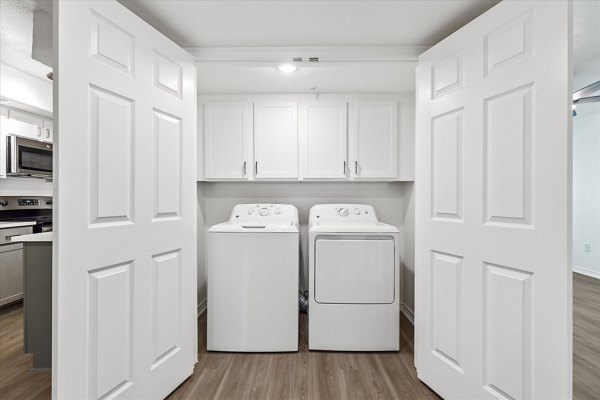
point(343, 212)
point(48, 202)
point(3, 203)
point(356, 211)
point(264, 212)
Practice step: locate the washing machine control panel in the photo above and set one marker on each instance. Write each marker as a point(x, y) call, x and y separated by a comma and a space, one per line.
point(247, 213)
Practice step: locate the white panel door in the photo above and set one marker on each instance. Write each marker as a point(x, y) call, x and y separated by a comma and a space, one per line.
point(124, 321)
point(276, 140)
point(323, 140)
point(493, 277)
point(228, 140)
point(374, 139)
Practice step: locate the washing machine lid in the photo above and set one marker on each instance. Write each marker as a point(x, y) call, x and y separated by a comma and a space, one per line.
point(257, 218)
point(228, 227)
point(354, 270)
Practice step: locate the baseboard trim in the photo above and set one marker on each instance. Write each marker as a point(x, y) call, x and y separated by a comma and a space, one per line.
point(585, 271)
point(201, 307)
point(408, 313)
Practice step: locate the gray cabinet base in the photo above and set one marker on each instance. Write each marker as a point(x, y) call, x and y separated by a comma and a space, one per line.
point(38, 302)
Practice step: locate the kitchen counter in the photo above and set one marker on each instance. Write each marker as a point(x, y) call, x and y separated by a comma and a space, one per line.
point(16, 224)
point(34, 237)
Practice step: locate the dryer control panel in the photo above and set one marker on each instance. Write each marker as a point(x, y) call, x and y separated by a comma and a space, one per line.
point(355, 214)
point(264, 214)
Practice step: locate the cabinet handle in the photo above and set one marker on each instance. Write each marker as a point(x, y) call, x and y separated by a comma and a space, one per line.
point(8, 237)
point(244, 168)
point(356, 167)
point(344, 167)
point(256, 167)
point(39, 131)
point(47, 133)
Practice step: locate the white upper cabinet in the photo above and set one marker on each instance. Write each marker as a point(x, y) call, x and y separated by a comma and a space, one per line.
point(25, 124)
point(3, 133)
point(323, 140)
point(374, 140)
point(47, 131)
point(31, 126)
point(276, 140)
point(228, 140)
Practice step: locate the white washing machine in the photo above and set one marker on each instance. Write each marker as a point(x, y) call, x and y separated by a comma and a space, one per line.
point(354, 280)
point(253, 267)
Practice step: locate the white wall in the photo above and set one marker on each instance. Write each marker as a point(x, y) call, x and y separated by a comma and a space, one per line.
point(586, 191)
point(390, 200)
point(26, 89)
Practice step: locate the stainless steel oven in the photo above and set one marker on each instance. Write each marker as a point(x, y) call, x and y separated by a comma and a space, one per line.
point(26, 157)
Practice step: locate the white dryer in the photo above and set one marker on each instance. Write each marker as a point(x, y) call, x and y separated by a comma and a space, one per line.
point(354, 280)
point(253, 268)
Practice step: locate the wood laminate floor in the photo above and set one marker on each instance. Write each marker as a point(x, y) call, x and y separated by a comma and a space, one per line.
point(305, 375)
point(308, 375)
point(586, 337)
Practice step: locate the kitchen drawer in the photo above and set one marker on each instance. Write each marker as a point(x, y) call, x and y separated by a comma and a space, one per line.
point(7, 233)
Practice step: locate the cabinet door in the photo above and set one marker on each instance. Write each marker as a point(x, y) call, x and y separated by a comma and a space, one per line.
point(374, 127)
point(276, 140)
point(11, 273)
point(323, 145)
point(47, 131)
point(227, 135)
point(24, 124)
point(3, 133)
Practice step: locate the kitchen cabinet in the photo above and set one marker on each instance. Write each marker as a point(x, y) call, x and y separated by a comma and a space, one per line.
point(11, 264)
point(3, 133)
point(276, 140)
point(11, 273)
point(25, 124)
point(47, 131)
point(323, 140)
point(297, 137)
point(374, 140)
point(228, 140)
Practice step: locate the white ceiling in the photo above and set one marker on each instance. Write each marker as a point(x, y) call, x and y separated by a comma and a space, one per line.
point(311, 24)
point(307, 23)
point(16, 36)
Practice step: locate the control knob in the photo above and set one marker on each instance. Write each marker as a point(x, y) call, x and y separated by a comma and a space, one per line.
point(3, 203)
point(343, 212)
point(263, 212)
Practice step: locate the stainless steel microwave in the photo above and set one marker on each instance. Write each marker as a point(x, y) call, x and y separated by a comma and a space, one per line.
point(26, 157)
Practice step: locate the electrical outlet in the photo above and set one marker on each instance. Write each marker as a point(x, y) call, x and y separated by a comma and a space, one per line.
point(587, 247)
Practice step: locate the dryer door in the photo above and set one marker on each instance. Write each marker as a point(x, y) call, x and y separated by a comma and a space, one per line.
point(354, 270)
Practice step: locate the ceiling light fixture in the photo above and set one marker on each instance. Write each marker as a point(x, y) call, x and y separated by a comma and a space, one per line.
point(287, 68)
